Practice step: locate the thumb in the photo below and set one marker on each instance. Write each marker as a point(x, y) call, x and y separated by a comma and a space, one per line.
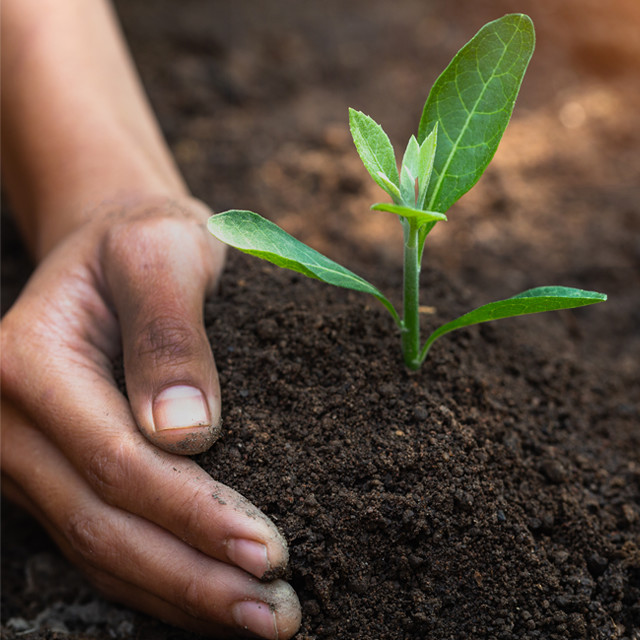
point(158, 271)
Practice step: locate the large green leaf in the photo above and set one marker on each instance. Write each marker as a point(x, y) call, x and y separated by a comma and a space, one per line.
point(257, 236)
point(375, 150)
point(531, 301)
point(471, 102)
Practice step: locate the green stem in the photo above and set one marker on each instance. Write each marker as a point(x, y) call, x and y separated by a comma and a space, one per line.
point(411, 320)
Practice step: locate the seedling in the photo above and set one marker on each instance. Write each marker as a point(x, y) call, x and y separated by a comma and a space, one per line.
point(463, 120)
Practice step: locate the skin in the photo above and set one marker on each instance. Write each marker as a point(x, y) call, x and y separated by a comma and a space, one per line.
point(123, 265)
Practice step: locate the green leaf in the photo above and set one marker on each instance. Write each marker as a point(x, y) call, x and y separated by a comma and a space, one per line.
point(390, 188)
point(472, 102)
point(425, 164)
point(532, 301)
point(409, 172)
point(257, 236)
point(374, 148)
point(421, 217)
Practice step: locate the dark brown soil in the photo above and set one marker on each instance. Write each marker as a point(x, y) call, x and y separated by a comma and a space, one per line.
point(494, 494)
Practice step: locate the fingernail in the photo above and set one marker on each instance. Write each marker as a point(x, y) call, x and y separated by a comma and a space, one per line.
point(256, 617)
point(180, 407)
point(249, 555)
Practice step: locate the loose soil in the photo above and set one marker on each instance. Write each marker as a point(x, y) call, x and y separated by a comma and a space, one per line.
point(495, 493)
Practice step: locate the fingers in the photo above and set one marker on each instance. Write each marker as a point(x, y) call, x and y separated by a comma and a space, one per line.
point(158, 269)
point(134, 561)
point(101, 440)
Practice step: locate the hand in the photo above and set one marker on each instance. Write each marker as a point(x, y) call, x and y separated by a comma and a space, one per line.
point(150, 528)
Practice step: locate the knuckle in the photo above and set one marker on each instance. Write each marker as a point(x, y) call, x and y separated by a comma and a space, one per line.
point(154, 232)
point(148, 230)
point(194, 518)
point(109, 469)
point(85, 534)
point(194, 597)
point(165, 339)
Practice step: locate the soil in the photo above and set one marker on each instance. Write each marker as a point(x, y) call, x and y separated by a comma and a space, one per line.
point(494, 494)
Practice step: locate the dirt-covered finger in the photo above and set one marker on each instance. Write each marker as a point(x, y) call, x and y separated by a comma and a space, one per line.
point(127, 472)
point(116, 548)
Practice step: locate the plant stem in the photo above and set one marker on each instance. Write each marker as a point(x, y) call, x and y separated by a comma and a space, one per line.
point(411, 319)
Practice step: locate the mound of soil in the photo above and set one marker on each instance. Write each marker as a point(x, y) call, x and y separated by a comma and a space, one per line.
point(490, 495)
point(493, 494)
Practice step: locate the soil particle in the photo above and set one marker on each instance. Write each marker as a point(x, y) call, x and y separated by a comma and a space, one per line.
point(553, 471)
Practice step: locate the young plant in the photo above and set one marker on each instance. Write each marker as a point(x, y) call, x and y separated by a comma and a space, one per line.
point(464, 117)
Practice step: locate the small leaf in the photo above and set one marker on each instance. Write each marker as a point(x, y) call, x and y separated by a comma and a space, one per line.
point(409, 172)
point(425, 164)
point(390, 188)
point(536, 300)
point(421, 217)
point(411, 158)
point(472, 102)
point(374, 148)
point(251, 233)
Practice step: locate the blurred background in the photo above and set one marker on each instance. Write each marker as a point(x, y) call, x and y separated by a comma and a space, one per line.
point(253, 97)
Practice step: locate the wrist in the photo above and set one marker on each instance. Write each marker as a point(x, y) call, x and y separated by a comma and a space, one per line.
point(103, 171)
point(78, 129)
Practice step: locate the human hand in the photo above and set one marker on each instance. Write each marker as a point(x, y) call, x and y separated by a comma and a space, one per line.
point(150, 528)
